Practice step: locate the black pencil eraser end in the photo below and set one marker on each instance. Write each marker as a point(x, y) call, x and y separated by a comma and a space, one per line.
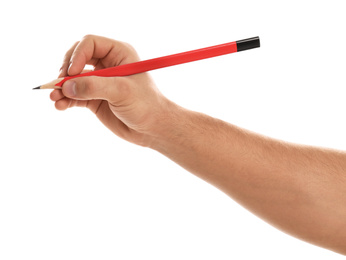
point(247, 44)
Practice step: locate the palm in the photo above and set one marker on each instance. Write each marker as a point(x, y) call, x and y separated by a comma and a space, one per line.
point(109, 116)
point(102, 109)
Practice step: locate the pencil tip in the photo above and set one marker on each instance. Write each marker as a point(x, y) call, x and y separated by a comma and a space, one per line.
point(37, 87)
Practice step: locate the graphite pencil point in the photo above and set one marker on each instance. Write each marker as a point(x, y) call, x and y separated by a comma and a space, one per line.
point(37, 87)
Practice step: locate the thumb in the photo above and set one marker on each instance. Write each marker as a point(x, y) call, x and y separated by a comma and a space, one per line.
point(90, 87)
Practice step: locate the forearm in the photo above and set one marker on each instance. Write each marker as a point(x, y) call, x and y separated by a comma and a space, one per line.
point(301, 190)
point(298, 189)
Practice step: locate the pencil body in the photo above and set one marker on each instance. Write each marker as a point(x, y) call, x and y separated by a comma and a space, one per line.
point(165, 61)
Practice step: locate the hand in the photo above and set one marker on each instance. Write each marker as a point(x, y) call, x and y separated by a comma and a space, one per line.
point(132, 107)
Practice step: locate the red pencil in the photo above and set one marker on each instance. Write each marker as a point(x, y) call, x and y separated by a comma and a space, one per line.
point(162, 62)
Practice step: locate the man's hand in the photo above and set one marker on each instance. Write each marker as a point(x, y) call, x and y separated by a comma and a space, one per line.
point(132, 107)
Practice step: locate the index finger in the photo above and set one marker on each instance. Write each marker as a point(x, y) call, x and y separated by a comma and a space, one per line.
point(66, 61)
point(98, 51)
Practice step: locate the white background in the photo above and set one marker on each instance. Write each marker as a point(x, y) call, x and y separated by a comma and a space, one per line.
point(69, 189)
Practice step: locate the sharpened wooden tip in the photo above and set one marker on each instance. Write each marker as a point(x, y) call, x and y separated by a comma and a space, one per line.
point(50, 85)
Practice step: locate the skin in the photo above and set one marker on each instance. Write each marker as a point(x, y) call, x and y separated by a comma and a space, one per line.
point(301, 190)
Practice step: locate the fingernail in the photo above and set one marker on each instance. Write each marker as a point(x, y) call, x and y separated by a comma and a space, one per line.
point(69, 66)
point(69, 88)
point(60, 71)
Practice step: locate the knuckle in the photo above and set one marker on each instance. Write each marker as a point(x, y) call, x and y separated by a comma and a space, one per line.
point(129, 51)
point(88, 36)
point(130, 48)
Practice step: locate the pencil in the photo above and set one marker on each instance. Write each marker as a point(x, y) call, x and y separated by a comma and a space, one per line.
point(162, 62)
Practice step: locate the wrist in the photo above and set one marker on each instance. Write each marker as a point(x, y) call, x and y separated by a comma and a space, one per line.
point(169, 126)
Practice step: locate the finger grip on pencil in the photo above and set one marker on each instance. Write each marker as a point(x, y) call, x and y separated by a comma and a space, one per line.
point(165, 61)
